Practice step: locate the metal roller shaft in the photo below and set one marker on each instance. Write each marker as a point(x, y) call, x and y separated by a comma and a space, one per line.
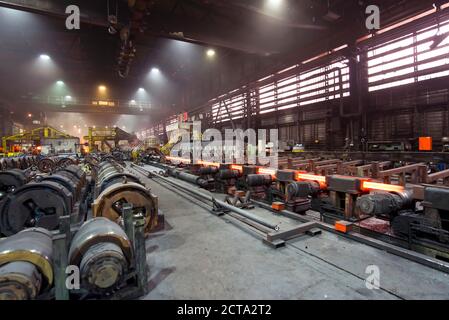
point(103, 252)
point(26, 267)
point(19, 280)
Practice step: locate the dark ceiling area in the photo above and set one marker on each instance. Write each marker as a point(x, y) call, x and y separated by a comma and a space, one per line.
point(173, 36)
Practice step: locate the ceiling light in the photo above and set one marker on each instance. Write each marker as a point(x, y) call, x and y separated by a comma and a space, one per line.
point(44, 57)
point(68, 98)
point(274, 4)
point(60, 82)
point(155, 70)
point(102, 88)
point(141, 89)
point(210, 53)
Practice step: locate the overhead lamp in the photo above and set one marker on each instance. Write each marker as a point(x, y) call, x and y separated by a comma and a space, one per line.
point(274, 3)
point(210, 53)
point(44, 57)
point(155, 70)
point(141, 89)
point(102, 88)
point(60, 83)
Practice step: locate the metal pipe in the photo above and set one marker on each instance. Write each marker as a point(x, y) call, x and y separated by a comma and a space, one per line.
point(222, 204)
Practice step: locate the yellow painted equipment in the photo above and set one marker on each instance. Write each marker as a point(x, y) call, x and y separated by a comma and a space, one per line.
point(32, 137)
point(109, 138)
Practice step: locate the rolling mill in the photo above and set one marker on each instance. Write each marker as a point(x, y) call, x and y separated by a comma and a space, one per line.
point(404, 204)
point(234, 150)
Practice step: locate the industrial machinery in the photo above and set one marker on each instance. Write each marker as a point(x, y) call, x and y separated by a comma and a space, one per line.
point(23, 162)
point(108, 139)
point(33, 262)
point(259, 186)
point(115, 187)
point(11, 180)
point(103, 253)
point(47, 223)
point(385, 199)
point(226, 179)
point(26, 264)
point(49, 164)
point(41, 203)
point(36, 140)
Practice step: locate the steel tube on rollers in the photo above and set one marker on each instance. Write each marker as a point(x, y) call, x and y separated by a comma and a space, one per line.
point(223, 204)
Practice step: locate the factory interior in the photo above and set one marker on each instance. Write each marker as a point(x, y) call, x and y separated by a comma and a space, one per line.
point(224, 150)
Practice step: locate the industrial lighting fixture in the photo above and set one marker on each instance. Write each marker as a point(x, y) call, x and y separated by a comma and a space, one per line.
point(132, 102)
point(141, 89)
point(44, 57)
point(274, 2)
point(30, 115)
point(68, 98)
point(102, 88)
point(155, 70)
point(60, 83)
point(210, 53)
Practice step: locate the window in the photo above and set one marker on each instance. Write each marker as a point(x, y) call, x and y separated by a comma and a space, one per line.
point(410, 58)
point(235, 105)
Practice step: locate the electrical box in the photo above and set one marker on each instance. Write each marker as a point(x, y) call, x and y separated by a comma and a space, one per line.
point(425, 144)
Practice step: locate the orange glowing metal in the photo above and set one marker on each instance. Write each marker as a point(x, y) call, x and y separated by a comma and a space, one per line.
point(178, 159)
point(367, 185)
point(271, 172)
point(311, 177)
point(237, 167)
point(210, 164)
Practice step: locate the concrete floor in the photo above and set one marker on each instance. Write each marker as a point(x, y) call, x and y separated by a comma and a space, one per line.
point(202, 256)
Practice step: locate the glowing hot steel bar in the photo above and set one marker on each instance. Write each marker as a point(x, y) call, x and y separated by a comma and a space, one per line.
point(178, 159)
point(367, 185)
point(311, 177)
point(210, 164)
point(269, 171)
point(237, 167)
